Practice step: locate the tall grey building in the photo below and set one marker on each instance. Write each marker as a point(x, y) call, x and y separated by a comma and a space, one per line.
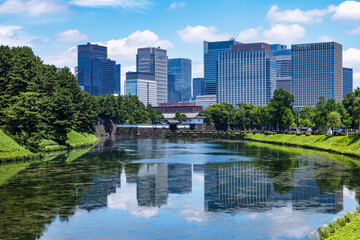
point(154, 60)
point(316, 71)
point(181, 69)
point(247, 74)
point(282, 57)
point(211, 55)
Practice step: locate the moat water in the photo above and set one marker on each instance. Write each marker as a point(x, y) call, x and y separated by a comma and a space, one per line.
point(160, 189)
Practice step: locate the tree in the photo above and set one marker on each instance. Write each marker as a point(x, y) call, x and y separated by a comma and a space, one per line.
point(220, 114)
point(23, 120)
point(156, 116)
point(334, 120)
point(288, 118)
point(180, 117)
point(281, 101)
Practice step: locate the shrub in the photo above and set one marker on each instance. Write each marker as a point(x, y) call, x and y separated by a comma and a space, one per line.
point(308, 133)
point(299, 133)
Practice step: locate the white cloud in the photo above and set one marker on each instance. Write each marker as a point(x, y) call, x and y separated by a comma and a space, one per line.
point(71, 35)
point(199, 33)
point(278, 33)
point(326, 39)
point(66, 58)
point(11, 35)
point(125, 49)
point(176, 5)
point(197, 69)
point(351, 59)
point(354, 31)
point(348, 10)
point(127, 4)
point(296, 16)
point(284, 33)
point(251, 34)
point(31, 8)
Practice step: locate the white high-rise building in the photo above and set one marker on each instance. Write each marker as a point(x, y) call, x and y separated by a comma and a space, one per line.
point(142, 85)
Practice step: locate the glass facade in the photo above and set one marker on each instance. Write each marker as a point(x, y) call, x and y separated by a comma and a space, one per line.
point(198, 87)
point(96, 74)
point(316, 71)
point(142, 85)
point(154, 61)
point(247, 76)
point(211, 54)
point(180, 68)
point(118, 79)
point(282, 57)
point(347, 81)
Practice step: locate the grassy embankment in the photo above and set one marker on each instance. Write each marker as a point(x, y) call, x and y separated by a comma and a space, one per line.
point(349, 145)
point(348, 226)
point(11, 150)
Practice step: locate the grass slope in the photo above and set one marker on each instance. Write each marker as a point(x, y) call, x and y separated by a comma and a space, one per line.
point(349, 145)
point(9, 149)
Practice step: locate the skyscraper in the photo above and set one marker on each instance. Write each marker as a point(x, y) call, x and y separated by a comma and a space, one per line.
point(154, 60)
point(198, 87)
point(282, 56)
point(347, 80)
point(142, 85)
point(247, 74)
point(118, 79)
point(181, 69)
point(96, 73)
point(316, 71)
point(211, 54)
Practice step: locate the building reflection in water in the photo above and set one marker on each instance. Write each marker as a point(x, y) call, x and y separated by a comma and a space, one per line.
point(152, 185)
point(227, 187)
point(233, 186)
point(101, 187)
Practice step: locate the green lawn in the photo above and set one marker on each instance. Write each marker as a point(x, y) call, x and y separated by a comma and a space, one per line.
point(9, 149)
point(340, 144)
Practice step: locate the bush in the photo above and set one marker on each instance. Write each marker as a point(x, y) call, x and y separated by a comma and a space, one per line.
point(299, 133)
point(269, 133)
point(308, 133)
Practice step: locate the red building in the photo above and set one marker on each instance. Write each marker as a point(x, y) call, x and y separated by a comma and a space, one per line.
point(187, 107)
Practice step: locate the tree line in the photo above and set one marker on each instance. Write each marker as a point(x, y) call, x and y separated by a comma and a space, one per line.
point(280, 114)
point(37, 102)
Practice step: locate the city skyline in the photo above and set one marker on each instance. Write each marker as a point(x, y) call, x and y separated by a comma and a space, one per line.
point(138, 25)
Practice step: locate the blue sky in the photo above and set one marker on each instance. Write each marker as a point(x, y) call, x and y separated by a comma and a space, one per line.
point(53, 28)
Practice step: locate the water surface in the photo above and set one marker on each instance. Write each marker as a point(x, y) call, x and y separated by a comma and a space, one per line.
point(158, 189)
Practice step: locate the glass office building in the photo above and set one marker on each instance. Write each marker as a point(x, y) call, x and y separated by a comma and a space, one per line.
point(211, 54)
point(198, 87)
point(347, 81)
point(282, 57)
point(180, 68)
point(247, 74)
point(154, 61)
point(118, 79)
point(142, 85)
point(96, 73)
point(316, 71)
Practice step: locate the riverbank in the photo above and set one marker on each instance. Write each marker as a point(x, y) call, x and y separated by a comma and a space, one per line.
point(349, 145)
point(10, 150)
point(346, 227)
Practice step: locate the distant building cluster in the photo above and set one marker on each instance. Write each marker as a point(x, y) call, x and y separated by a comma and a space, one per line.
point(233, 72)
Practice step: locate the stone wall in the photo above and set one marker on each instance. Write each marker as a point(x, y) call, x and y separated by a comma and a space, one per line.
point(105, 128)
point(132, 133)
